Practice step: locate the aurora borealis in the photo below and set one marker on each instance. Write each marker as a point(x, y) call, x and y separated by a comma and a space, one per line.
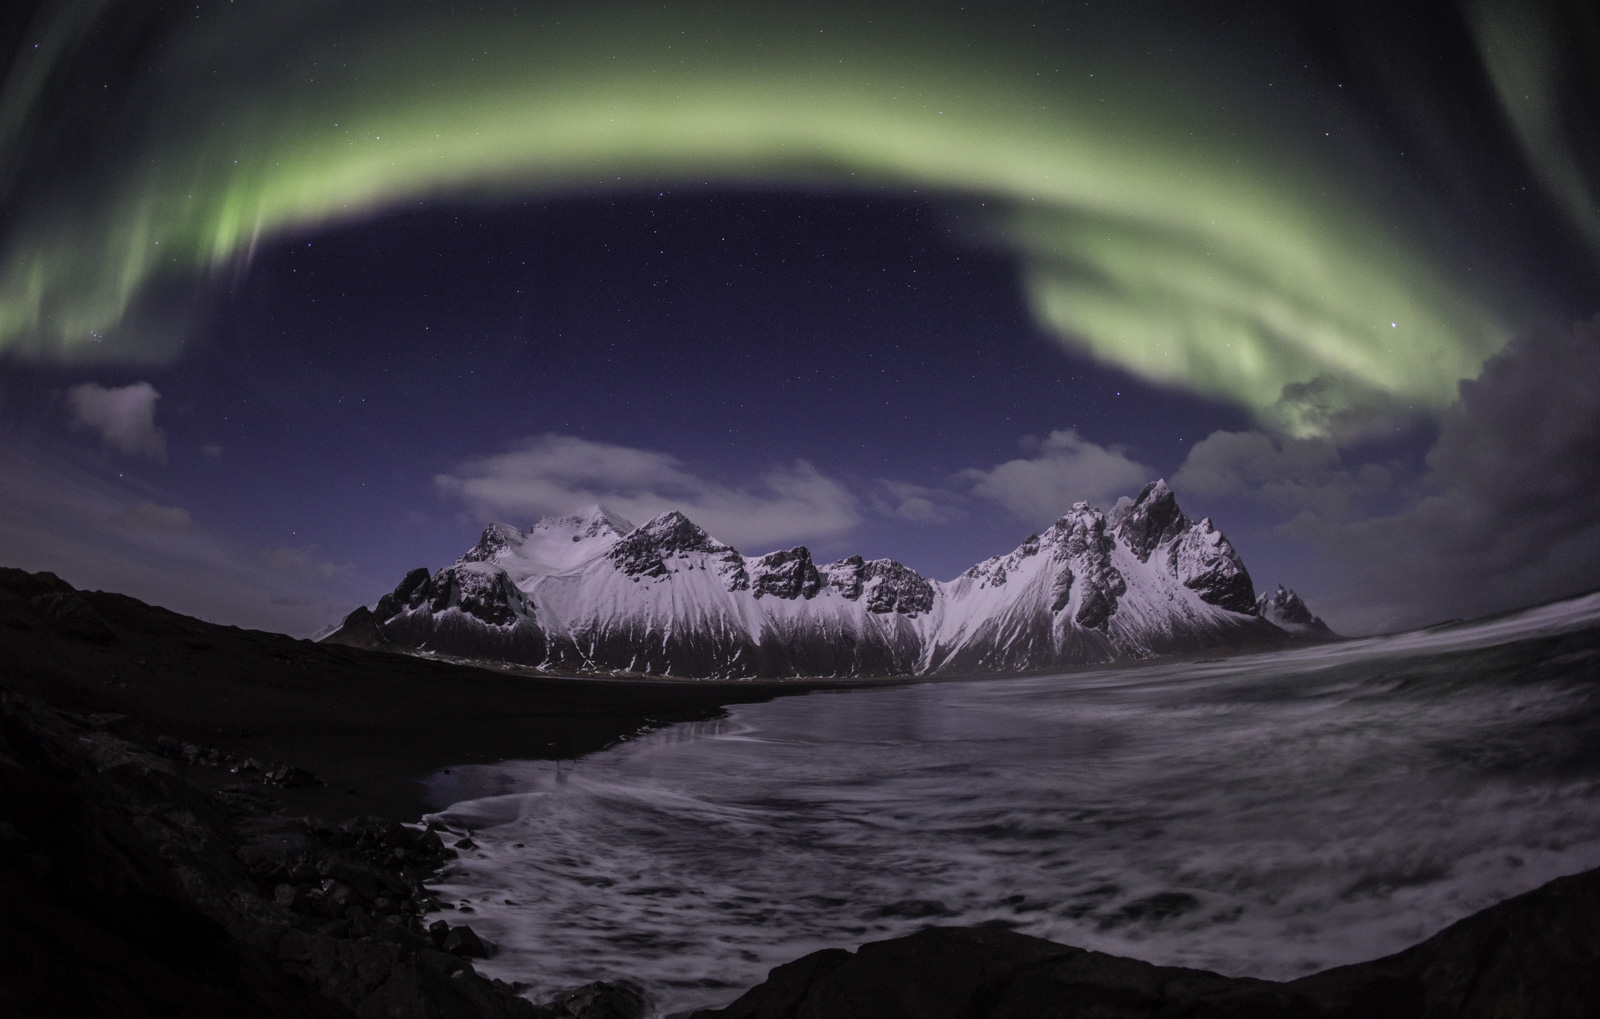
point(1144, 235)
point(1287, 217)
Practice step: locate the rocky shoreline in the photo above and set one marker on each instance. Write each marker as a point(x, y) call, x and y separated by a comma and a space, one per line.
point(163, 786)
point(159, 854)
point(131, 891)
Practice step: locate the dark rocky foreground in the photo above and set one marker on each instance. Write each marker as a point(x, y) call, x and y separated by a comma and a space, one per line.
point(1536, 956)
point(161, 784)
point(161, 781)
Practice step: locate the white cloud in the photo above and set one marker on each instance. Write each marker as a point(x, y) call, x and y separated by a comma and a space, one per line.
point(562, 473)
point(124, 417)
point(1290, 474)
point(1067, 468)
point(1512, 513)
point(915, 504)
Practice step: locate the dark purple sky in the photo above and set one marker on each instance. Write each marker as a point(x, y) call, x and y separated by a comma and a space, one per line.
point(818, 356)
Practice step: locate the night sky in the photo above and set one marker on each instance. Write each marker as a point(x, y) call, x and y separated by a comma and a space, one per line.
point(297, 295)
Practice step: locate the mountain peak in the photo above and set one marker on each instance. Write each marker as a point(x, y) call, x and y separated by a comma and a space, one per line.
point(498, 541)
point(596, 516)
point(592, 521)
point(1151, 519)
point(672, 522)
point(671, 533)
point(1080, 517)
point(1283, 604)
point(1289, 611)
point(789, 574)
point(1206, 562)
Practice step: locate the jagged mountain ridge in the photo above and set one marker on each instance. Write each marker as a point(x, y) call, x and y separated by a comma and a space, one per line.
point(1285, 609)
point(592, 593)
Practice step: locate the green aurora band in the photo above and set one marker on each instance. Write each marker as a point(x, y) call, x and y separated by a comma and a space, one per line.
point(1148, 232)
point(1520, 44)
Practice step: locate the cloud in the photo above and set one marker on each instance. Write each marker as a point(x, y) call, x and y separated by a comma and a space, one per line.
point(1512, 516)
point(1341, 409)
point(915, 504)
point(1067, 469)
point(1288, 473)
point(561, 473)
point(151, 517)
point(124, 417)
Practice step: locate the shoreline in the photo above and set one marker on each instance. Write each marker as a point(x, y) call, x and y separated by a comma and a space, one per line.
point(163, 781)
point(371, 725)
point(199, 820)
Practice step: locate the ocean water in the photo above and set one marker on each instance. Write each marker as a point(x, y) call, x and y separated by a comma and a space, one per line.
point(1267, 815)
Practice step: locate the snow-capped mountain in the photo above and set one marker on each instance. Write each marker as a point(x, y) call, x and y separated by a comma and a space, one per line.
point(1285, 609)
point(593, 593)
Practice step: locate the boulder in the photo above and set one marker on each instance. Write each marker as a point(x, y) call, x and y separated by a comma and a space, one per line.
point(619, 999)
point(1532, 957)
point(464, 943)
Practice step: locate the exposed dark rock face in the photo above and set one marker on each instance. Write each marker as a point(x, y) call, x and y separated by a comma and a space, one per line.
point(788, 575)
point(488, 595)
point(891, 587)
point(888, 585)
point(641, 553)
point(644, 551)
point(479, 591)
point(1153, 518)
point(1207, 564)
point(482, 592)
point(470, 609)
point(360, 629)
point(1061, 589)
point(1079, 541)
point(845, 576)
point(408, 594)
point(1531, 957)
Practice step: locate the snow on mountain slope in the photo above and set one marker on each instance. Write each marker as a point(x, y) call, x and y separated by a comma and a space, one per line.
point(1143, 582)
point(593, 593)
point(553, 545)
